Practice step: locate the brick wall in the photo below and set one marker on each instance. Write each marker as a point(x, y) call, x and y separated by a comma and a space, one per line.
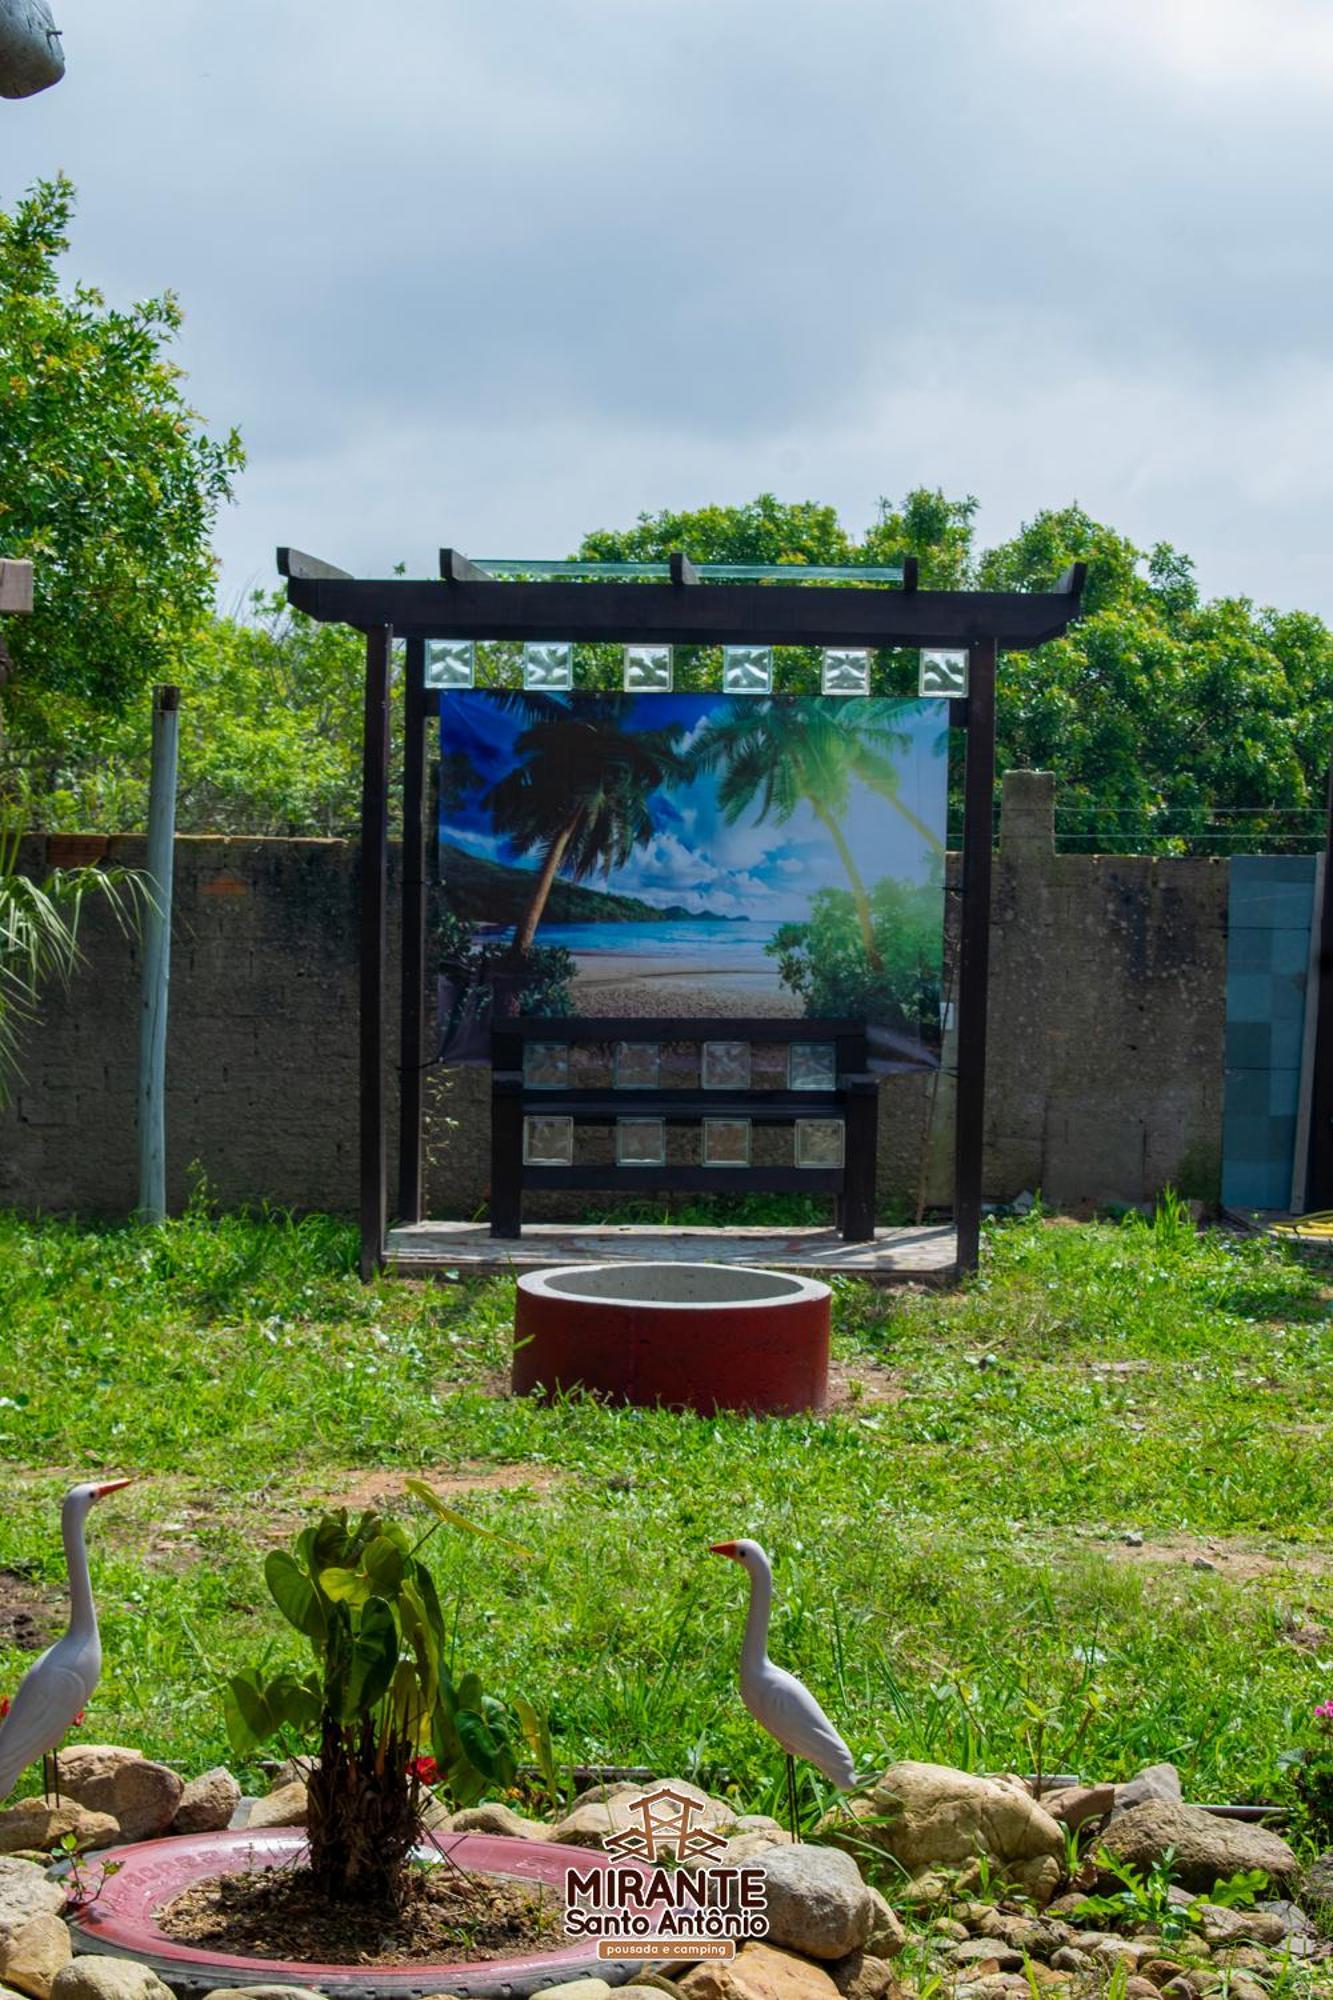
point(1107, 1006)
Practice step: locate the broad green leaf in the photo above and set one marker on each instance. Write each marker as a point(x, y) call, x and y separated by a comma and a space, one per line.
point(345, 1586)
point(294, 1595)
point(383, 1564)
point(374, 1660)
point(419, 1489)
point(537, 1736)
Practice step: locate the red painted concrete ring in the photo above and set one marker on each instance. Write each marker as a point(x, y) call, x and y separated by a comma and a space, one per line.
point(699, 1337)
point(122, 1922)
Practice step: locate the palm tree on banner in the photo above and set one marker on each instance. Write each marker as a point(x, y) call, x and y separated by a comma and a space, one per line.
point(787, 753)
point(579, 792)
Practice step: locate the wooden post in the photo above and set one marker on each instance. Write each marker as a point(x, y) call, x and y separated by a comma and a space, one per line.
point(1319, 1178)
point(974, 952)
point(157, 957)
point(412, 1040)
point(374, 905)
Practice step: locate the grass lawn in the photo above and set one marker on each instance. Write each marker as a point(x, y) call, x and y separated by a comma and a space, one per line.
point(953, 1578)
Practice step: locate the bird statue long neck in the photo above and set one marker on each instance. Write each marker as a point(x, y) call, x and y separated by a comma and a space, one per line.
point(82, 1616)
point(754, 1646)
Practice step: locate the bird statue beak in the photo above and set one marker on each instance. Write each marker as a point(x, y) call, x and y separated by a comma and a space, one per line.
point(723, 1549)
point(110, 1486)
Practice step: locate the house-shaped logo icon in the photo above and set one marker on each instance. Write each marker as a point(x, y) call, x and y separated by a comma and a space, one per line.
point(665, 1828)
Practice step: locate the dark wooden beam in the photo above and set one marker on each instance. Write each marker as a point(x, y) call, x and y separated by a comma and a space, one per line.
point(374, 944)
point(1071, 581)
point(715, 614)
point(682, 569)
point(456, 568)
point(412, 1010)
point(974, 953)
point(911, 572)
point(297, 565)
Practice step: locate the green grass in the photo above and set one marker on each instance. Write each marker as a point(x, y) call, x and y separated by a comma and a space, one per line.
point(950, 1573)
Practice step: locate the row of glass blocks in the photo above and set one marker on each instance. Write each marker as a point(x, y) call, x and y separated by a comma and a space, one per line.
point(452, 663)
point(641, 1142)
point(722, 1065)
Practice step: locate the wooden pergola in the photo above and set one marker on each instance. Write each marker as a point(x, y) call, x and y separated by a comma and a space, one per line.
point(686, 608)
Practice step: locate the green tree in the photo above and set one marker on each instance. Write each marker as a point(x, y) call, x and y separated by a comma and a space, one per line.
point(780, 756)
point(110, 484)
point(579, 793)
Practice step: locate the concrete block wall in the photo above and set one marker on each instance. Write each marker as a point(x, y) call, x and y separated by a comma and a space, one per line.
point(1106, 1037)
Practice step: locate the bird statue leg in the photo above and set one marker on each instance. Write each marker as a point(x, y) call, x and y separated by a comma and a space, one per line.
point(793, 1812)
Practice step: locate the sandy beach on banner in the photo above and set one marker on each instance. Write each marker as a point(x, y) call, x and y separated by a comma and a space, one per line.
point(624, 983)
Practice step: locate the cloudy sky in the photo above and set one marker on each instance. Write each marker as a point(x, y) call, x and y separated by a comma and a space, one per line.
point(495, 272)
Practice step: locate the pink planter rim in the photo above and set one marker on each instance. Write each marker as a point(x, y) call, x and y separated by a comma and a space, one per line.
point(122, 1922)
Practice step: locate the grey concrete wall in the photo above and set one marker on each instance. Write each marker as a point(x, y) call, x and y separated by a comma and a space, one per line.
point(1106, 1035)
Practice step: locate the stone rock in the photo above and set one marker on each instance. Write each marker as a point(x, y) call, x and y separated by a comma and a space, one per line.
point(927, 1815)
point(579, 1989)
point(208, 1802)
point(284, 1807)
point(37, 1824)
point(862, 1976)
point(975, 1951)
point(817, 1903)
point(887, 1936)
point(1068, 1958)
point(106, 1778)
point(1295, 1923)
point(266, 1993)
point(924, 1889)
point(31, 1957)
point(1161, 1971)
point(1138, 1988)
point(93, 1978)
point(1317, 1882)
point(1243, 1958)
point(1223, 1926)
point(605, 1810)
point(1077, 1804)
point(635, 1991)
point(758, 1972)
point(499, 1819)
point(1154, 1781)
point(1207, 1849)
point(26, 1891)
point(744, 1848)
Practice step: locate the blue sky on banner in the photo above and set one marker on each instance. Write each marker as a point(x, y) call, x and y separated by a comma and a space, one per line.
point(695, 859)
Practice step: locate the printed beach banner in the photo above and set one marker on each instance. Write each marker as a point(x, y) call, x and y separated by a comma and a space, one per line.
point(699, 855)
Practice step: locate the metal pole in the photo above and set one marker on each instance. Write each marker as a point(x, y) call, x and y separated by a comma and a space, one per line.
point(157, 958)
point(374, 902)
point(411, 1042)
point(974, 953)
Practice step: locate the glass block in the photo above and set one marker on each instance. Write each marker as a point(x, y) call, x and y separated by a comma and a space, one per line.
point(846, 672)
point(725, 1066)
point(638, 1065)
point(812, 1066)
point(647, 669)
point(546, 1065)
point(819, 1142)
point(747, 670)
point(640, 1142)
point(726, 1142)
point(548, 1142)
point(942, 674)
point(451, 663)
point(548, 665)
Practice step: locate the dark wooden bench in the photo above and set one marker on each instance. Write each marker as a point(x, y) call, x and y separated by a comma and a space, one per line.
point(515, 1097)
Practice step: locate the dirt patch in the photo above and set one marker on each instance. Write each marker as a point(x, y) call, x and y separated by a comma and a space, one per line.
point(387, 1485)
point(859, 1385)
point(443, 1914)
point(1238, 1561)
point(29, 1617)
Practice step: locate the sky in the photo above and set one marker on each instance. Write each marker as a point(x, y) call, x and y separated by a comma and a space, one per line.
point(493, 273)
point(695, 860)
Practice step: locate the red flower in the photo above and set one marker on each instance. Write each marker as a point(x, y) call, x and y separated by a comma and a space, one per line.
point(425, 1770)
point(78, 1718)
point(4, 1706)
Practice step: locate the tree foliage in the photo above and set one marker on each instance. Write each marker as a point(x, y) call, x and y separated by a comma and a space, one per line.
point(110, 484)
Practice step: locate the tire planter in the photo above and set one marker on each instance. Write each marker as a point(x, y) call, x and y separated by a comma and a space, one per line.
point(122, 1922)
point(693, 1336)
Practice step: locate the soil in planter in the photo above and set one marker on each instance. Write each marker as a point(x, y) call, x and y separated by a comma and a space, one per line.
point(443, 1914)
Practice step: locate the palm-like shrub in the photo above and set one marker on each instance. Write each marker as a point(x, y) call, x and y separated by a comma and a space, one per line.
point(377, 1701)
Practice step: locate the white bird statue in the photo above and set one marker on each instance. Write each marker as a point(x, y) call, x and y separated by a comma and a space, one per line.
point(58, 1686)
point(779, 1702)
